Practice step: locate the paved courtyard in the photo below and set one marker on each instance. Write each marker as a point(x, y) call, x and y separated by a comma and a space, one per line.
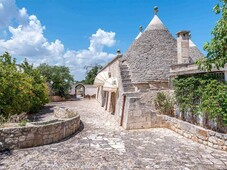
point(102, 144)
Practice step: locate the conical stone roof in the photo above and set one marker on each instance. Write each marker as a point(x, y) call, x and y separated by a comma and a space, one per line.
point(194, 52)
point(151, 55)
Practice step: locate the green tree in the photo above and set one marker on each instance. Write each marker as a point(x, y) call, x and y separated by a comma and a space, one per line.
point(22, 89)
point(39, 95)
point(15, 87)
point(92, 72)
point(58, 77)
point(217, 48)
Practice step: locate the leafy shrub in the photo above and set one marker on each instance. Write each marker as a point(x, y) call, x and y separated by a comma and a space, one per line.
point(21, 89)
point(164, 103)
point(39, 95)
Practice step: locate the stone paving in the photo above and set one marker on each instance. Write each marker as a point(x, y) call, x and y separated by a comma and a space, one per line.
point(102, 144)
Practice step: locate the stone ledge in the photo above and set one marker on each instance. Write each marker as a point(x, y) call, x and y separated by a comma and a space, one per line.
point(198, 134)
point(37, 135)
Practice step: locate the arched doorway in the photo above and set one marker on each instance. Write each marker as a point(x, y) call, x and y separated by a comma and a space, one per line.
point(79, 91)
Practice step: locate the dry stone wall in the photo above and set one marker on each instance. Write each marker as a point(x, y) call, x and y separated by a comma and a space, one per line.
point(36, 135)
point(196, 133)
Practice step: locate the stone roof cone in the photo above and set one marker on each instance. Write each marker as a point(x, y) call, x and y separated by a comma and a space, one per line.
point(156, 24)
point(194, 52)
point(151, 55)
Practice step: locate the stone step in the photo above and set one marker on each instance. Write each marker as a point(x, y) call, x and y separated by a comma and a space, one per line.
point(129, 89)
point(125, 77)
point(123, 66)
point(127, 85)
point(132, 94)
point(124, 69)
point(126, 81)
point(125, 73)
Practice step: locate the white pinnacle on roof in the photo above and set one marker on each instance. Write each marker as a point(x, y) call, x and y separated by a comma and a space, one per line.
point(138, 35)
point(156, 24)
point(191, 44)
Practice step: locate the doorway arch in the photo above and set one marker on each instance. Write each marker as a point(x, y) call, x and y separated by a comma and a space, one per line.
point(79, 91)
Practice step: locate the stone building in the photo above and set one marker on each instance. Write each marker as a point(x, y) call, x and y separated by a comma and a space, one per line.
point(128, 84)
point(83, 91)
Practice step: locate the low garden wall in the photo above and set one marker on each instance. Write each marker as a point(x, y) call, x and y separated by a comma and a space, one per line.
point(38, 134)
point(198, 134)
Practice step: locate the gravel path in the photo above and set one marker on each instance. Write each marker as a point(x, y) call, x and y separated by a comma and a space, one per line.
point(102, 144)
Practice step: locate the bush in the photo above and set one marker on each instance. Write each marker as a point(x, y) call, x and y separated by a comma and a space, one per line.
point(164, 103)
point(21, 90)
point(39, 95)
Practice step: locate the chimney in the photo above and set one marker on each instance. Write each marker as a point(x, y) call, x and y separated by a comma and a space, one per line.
point(183, 47)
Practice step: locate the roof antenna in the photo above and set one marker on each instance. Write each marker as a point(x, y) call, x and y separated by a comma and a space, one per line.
point(156, 10)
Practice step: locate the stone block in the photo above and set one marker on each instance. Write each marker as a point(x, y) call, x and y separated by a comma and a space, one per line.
point(220, 142)
point(30, 136)
point(38, 141)
point(211, 133)
point(202, 133)
point(213, 140)
point(224, 148)
point(22, 138)
point(26, 144)
point(195, 138)
point(210, 144)
point(205, 142)
point(200, 141)
point(11, 140)
point(219, 135)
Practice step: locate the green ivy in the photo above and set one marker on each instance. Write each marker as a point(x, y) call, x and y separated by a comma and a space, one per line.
point(202, 93)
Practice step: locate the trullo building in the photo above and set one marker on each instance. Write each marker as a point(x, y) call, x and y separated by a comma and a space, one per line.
point(127, 85)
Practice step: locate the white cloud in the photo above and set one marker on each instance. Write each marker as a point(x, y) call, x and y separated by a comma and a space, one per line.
point(1, 6)
point(9, 11)
point(27, 40)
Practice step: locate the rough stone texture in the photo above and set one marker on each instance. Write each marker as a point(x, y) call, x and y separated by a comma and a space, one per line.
point(150, 56)
point(196, 133)
point(137, 115)
point(102, 144)
point(36, 135)
point(194, 52)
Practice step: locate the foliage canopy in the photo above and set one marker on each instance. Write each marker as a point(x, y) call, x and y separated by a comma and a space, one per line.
point(92, 72)
point(58, 77)
point(22, 89)
point(217, 47)
point(202, 93)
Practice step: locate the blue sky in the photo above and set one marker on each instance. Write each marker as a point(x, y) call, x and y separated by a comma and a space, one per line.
point(67, 32)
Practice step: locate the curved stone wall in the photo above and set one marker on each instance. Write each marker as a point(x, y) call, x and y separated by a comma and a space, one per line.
point(36, 135)
point(196, 133)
